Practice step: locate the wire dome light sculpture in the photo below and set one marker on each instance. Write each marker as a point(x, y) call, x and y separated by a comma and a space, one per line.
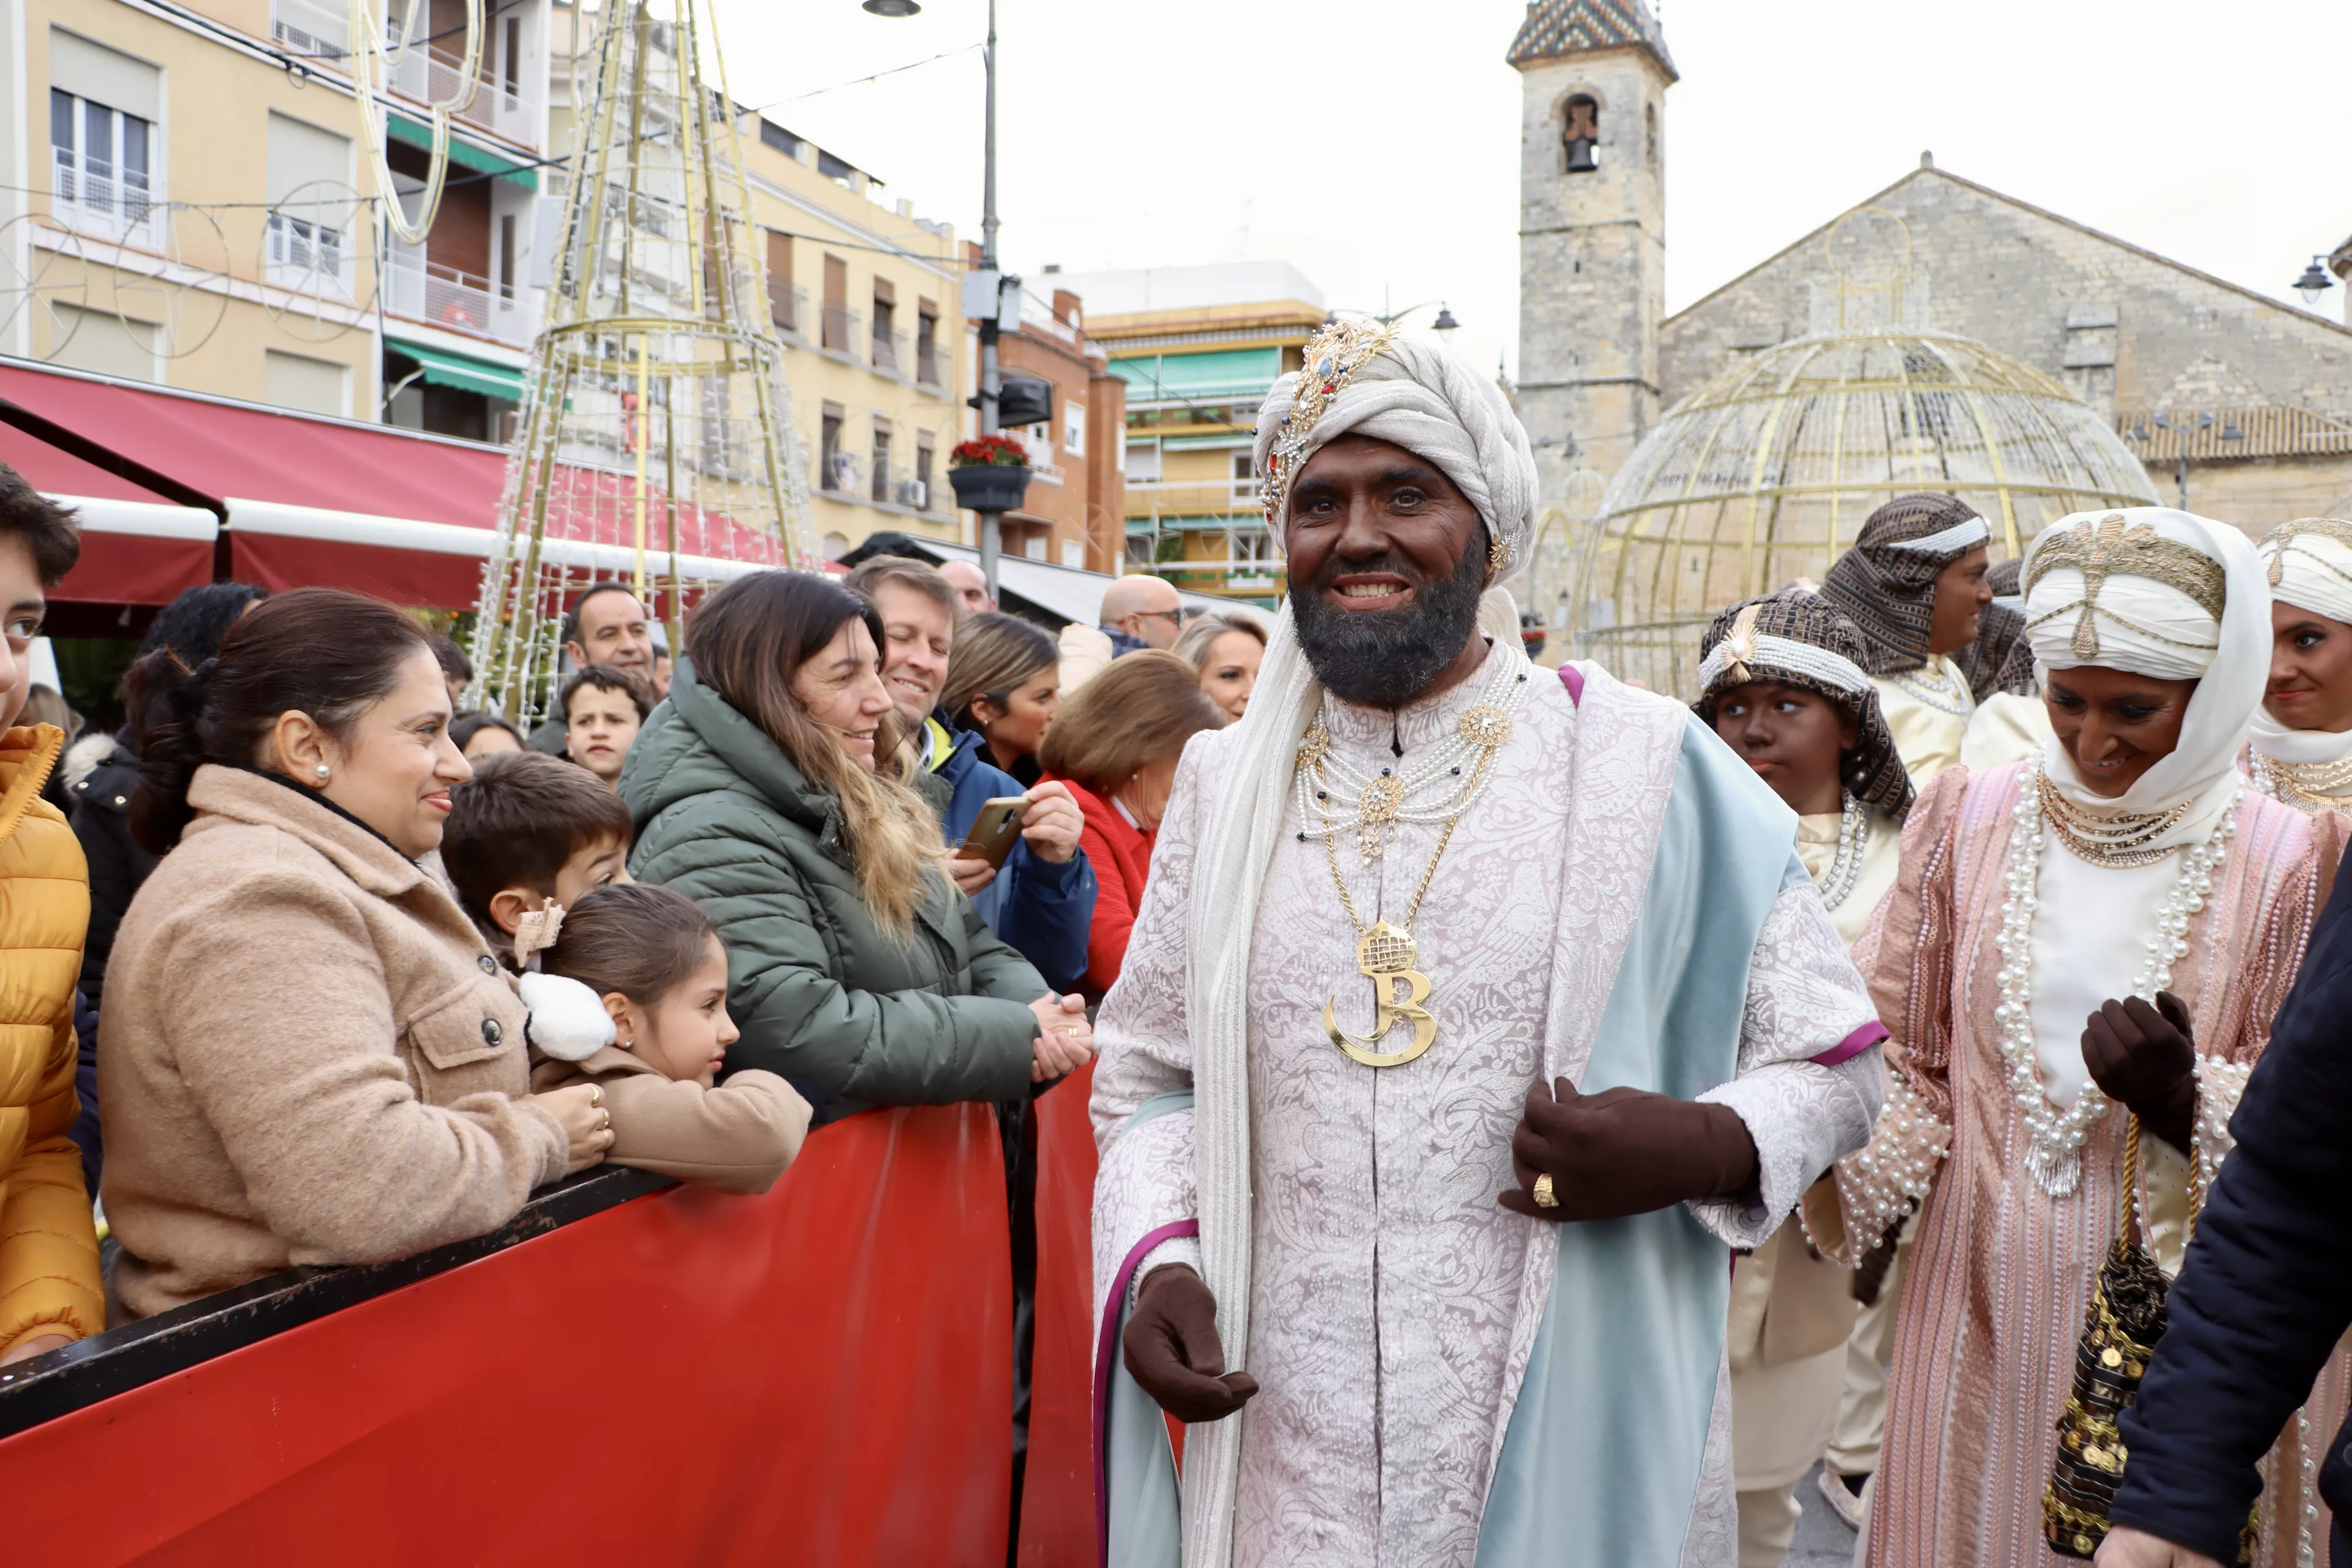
point(654, 444)
point(1765, 475)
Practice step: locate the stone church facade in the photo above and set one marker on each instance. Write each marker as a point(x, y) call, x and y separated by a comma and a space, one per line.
point(2255, 394)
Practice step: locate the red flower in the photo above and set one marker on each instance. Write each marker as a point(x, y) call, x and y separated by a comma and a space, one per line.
point(1000, 451)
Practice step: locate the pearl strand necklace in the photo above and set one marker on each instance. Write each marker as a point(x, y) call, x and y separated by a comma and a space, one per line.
point(1853, 829)
point(2055, 1150)
point(1947, 693)
point(1334, 796)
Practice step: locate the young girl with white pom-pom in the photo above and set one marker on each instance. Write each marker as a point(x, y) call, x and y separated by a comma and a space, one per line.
point(630, 996)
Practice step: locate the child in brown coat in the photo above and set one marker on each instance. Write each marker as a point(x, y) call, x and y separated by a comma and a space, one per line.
point(632, 996)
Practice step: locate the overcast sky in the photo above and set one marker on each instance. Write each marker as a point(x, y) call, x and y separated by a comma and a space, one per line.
point(1373, 143)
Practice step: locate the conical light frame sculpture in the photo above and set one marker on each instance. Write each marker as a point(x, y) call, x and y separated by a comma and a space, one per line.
point(656, 445)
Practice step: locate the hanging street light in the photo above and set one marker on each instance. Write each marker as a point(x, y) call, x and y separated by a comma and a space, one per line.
point(2313, 282)
point(894, 7)
point(1445, 326)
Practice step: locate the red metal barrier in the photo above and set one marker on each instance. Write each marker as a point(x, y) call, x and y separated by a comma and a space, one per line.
point(1057, 1498)
point(821, 1375)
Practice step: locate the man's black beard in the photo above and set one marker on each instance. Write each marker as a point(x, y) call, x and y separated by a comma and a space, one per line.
point(1384, 658)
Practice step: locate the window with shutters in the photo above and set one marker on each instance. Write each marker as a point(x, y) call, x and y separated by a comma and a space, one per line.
point(312, 205)
point(105, 150)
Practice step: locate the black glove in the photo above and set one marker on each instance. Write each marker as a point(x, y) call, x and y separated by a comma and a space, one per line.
point(1625, 1151)
point(1870, 1274)
point(2145, 1058)
point(1172, 1351)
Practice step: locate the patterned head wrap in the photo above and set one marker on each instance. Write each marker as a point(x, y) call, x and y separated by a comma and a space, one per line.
point(2309, 562)
point(1887, 584)
point(1360, 379)
point(1797, 638)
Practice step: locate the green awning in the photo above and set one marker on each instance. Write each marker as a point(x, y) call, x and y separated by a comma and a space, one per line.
point(443, 368)
point(464, 151)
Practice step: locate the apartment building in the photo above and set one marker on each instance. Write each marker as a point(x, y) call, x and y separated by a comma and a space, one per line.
point(865, 295)
point(1074, 512)
point(189, 201)
point(1198, 348)
point(188, 204)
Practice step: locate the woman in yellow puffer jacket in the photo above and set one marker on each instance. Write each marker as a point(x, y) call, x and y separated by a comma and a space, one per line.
point(49, 1291)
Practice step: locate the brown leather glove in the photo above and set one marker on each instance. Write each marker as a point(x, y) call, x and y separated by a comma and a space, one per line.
point(1625, 1151)
point(1172, 1351)
point(2145, 1057)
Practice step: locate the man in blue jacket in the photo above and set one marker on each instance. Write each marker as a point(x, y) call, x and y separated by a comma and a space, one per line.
point(1042, 901)
point(2263, 1296)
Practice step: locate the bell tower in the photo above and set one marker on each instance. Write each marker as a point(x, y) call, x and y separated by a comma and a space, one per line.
point(1592, 241)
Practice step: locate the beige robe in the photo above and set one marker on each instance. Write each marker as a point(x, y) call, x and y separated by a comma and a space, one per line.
point(1927, 735)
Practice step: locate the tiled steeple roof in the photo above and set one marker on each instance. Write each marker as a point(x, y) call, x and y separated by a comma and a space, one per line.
point(1557, 28)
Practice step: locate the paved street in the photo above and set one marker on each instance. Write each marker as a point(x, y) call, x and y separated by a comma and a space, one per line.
point(1822, 1539)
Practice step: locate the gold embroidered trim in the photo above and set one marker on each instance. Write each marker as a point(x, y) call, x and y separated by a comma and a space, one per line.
point(2111, 548)
point(1332, 358)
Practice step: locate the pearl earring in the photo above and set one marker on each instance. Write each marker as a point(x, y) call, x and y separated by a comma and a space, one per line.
point(322, 773)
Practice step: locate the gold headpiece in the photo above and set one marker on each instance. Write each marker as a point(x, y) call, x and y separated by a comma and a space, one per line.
point(1740, 646)
point(2110, 548)
point(2277, 541)
point(1332, 358)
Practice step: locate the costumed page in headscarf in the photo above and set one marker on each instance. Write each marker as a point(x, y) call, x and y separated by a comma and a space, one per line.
point(2027, 898)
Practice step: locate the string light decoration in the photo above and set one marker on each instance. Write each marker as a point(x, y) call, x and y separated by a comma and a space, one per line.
point(654, 444)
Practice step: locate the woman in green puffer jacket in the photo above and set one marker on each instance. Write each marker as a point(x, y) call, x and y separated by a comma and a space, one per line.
point(769, 787)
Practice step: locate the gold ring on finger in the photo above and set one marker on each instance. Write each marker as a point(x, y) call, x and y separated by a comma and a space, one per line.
point(1545, 1198)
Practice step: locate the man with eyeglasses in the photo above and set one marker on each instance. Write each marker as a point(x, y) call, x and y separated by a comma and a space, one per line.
point(1141, 612)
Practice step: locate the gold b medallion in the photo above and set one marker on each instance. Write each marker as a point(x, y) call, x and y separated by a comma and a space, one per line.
point(1386, 956)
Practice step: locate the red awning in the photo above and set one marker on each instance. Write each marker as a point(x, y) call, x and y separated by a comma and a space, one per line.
point(308, 501)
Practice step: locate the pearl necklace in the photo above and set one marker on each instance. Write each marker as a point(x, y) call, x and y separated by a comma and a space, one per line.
point(1334, 796)
point(2053, 1154)
point(1947, 693)
point(1854, 832)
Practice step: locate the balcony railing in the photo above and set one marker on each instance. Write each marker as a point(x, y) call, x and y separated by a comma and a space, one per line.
point(930, 365)
point(787, 306)
point(889, 348)
point(307, 256)
point(423, 290)
point(95, 197)
point(884, 476)
point(428, 74)
point(1196, 495)
point(841, 324)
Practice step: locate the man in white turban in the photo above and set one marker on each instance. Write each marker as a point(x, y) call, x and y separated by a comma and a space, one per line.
point(1438, 1273)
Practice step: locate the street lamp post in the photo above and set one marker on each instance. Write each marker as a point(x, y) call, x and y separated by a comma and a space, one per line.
point(991, 531)
point(1445, 326)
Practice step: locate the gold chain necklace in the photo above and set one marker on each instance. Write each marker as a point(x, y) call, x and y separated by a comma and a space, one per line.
point(1386, 953)
point(2117, 840)
point(2321, 784)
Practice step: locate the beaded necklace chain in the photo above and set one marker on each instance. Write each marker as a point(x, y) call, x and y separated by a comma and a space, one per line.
point(2055, 1150)
point(2303, 784)
point(1946, 692)
point(1854, 834)
point(1333, 795)
point(2116, 840)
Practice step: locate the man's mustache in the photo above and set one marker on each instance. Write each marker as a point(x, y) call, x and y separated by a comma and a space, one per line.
point(1387, 561)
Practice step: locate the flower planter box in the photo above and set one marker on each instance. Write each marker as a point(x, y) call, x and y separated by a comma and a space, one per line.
point(988, 487)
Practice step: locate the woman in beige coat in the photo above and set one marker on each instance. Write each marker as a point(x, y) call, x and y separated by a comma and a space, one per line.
point(308, 1056)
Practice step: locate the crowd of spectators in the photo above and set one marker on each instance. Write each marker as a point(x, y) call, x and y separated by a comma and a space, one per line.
point(321, 964)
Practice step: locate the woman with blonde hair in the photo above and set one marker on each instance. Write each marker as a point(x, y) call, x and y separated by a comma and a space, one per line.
point(1004, 681)
point(1226, 647)
point(1116, 748)
point(770, 788)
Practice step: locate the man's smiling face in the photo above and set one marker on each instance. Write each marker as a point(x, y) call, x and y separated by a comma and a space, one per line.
point(1387, 558)
point(917, 636)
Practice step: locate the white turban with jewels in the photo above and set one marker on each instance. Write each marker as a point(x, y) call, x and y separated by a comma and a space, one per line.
point(2166, 629)
point(1422, 398)
point(2309, 562)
